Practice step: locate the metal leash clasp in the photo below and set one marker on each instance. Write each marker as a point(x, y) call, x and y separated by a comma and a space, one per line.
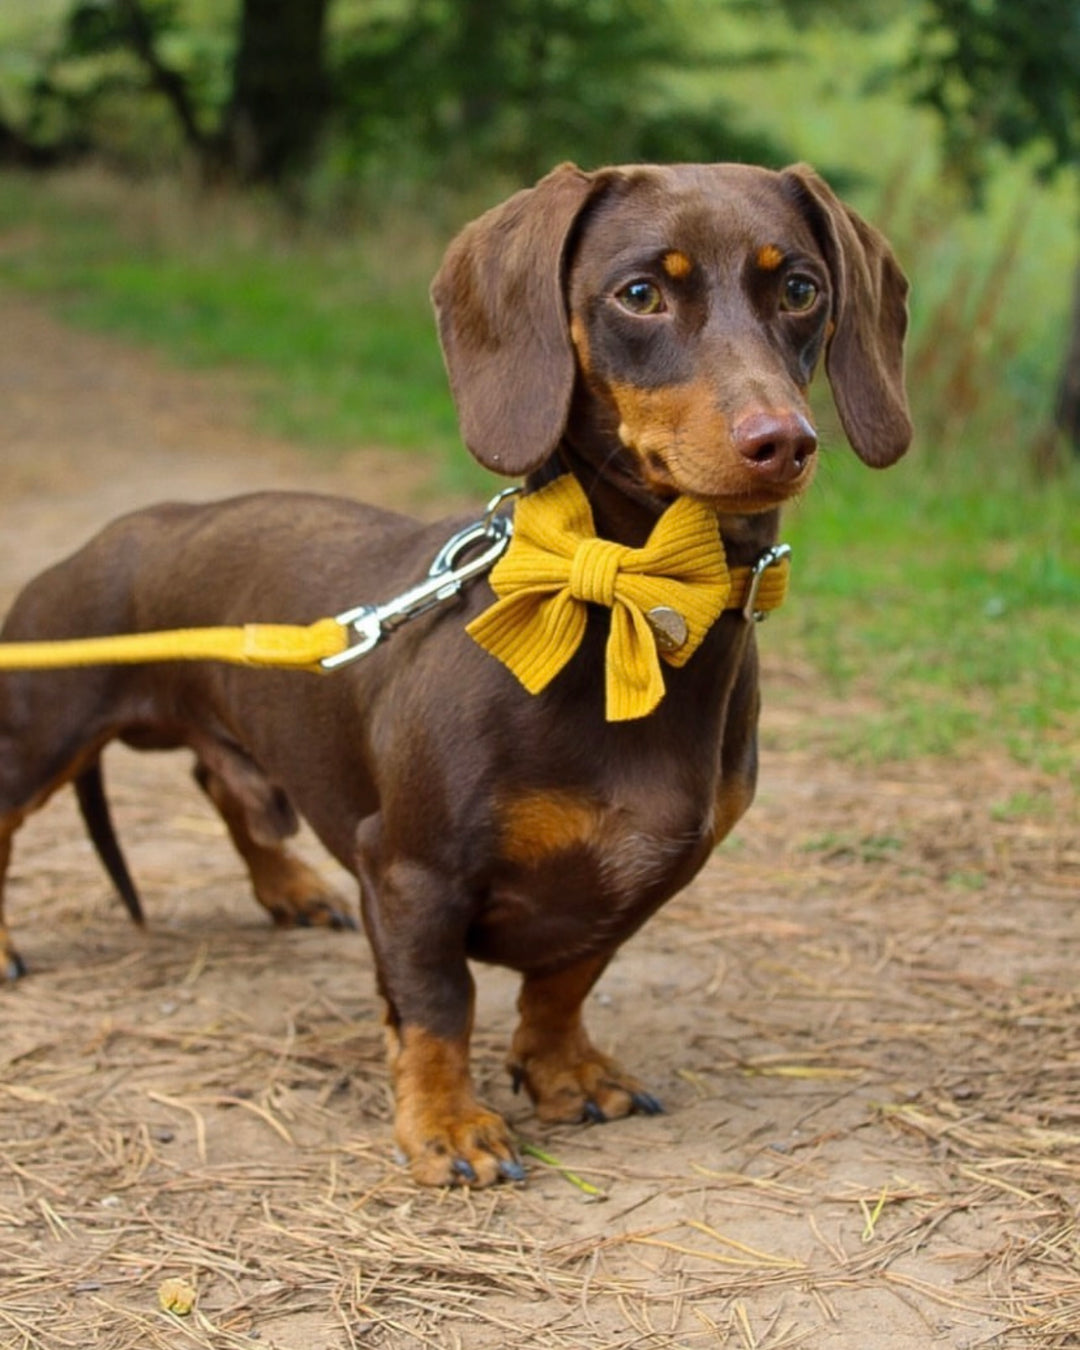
point(446, 576)
point(768, 559)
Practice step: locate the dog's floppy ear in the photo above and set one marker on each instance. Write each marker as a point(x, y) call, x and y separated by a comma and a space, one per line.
point(865, 356)
point(501, 310)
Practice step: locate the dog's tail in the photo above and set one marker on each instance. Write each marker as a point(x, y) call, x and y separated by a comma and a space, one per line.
point(94, 805)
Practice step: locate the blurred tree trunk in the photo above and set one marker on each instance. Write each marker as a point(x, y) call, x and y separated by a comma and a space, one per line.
point(477, 52)
point(281, 92)
point(139, 32)
point(1068, 401)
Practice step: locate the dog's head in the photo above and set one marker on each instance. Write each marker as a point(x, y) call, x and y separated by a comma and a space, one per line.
point(667, 321)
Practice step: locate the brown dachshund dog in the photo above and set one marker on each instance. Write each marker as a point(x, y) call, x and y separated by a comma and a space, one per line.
point(650, 331)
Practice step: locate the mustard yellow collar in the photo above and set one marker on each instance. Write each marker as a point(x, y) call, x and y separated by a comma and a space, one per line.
point(663, 597)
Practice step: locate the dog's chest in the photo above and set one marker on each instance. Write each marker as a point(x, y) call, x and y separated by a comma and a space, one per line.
point(593, 825)
point(576, 872)
point(630, 843)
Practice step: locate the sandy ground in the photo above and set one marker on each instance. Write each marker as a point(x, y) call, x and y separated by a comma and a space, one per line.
point(863, 1018)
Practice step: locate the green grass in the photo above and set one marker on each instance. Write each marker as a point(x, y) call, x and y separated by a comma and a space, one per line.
point(946, 602)
point(941, 596)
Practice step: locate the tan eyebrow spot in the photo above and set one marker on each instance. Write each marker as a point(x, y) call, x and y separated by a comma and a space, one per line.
point(677, 265)
point(769, 257)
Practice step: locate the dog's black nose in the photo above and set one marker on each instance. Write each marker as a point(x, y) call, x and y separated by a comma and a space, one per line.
point(776, 445)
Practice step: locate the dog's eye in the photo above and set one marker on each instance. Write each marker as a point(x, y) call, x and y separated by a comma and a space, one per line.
point(799, 294)
point(641, 297)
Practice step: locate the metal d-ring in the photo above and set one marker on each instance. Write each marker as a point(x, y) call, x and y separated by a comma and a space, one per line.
point(770, 558)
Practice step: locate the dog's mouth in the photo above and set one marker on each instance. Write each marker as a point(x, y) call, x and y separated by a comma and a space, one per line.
point(755, 502)
point(654, 479)
point(727, 493)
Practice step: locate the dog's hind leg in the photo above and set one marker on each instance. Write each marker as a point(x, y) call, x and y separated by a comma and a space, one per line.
point(258, 817)
point(48, 738)
point(25, 785)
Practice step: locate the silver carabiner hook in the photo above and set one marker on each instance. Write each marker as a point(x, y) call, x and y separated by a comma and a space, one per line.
point(445, 578)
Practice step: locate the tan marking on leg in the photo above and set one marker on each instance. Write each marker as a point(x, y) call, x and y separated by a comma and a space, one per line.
point(733, 800)
point(552, 1057)
point(447, 1135)
point(769, 257)
point(677, 265)
point(391, 1038)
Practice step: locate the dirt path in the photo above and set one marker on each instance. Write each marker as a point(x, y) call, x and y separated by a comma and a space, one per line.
point(863, 1018)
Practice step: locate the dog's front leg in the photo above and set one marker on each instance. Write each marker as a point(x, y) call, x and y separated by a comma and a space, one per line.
point(417, 933)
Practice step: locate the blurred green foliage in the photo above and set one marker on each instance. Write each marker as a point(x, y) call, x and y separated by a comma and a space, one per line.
point(434, 88)
point(478, 87)
point(997, 71)
point(455, 89)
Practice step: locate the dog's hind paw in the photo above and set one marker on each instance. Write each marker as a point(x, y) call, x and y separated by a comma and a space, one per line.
point(12, 964)
point(319, 912)
point(295, 896)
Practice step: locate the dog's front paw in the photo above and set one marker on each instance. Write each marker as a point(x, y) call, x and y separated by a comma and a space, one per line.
point(469, 1145)
point(447, 1136)
point(571, 1080)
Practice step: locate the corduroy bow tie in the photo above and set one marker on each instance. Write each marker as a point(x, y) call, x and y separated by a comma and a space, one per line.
point(663, 597)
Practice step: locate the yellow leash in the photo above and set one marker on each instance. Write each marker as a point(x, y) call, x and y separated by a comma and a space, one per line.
point(320, 646)
point(281, 645)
